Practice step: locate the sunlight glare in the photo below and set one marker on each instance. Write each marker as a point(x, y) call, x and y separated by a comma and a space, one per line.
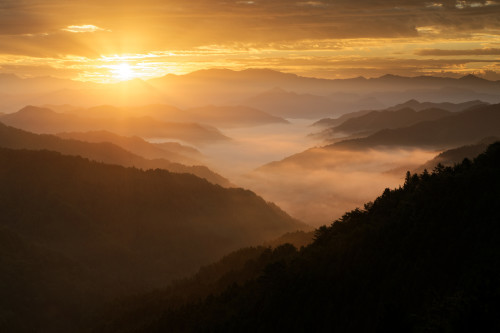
point(123, 72)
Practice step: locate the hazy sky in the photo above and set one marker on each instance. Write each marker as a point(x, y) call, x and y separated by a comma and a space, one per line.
point(109, 40)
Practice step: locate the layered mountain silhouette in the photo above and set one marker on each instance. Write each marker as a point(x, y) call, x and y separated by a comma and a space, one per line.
point(378, 120)
point(226, 87)
point(451, 157)
point(458, 129)
point(101, 151)
point(171, 151)
point(410, 104)
point(452, 107)
point(43, 120)
point(331, 122)
point(218, 116)
point(76, 233)
point(423, 257)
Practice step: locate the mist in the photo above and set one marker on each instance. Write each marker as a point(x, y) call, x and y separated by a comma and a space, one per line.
point(316, 186)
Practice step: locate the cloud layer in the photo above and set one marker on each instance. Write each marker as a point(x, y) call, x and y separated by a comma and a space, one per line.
point(265, 30)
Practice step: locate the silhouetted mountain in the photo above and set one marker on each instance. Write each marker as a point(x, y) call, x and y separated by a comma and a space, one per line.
point(176, 147)
point(452, 107)
point(138, 146)
point(330, 122)
point(42, 120)
point(450, 157)
point(377, 120)
point(102, 152)
point(221, 86)
point(76, 234)
point(458, 129)
point(226, 87)
point(297, 238)
point(411, 104)
point(423, 257)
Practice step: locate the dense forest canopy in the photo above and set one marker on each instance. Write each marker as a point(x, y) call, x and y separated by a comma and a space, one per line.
point(422, 257)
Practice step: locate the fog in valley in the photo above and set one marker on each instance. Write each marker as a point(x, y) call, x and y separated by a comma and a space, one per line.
point(317, 185)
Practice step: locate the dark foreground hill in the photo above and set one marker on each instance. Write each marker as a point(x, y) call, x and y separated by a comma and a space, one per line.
point(421, 258)
point(74, 234)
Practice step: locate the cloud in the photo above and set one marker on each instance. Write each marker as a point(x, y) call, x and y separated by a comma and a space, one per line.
point(441, 52)
point(333, 181)
point(83, 28)
point(278, 29)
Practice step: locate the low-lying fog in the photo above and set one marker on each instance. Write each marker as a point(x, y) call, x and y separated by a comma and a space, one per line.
point(316, 186)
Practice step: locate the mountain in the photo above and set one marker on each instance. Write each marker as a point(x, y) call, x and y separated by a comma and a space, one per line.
point(13, 84)
point(139, 146)
point(452, 107)
point(105, 152)
point(422, 257)
point(458, 129)
point(177, 148)
point(410, 104)
point(42, 120)
point(331, 122)
point(227, 87)
point(218, 116)
point(232, 116)
point(451, 157)
point(76, 234)
point(378, 120)
point(222, 86)
point(291, 105)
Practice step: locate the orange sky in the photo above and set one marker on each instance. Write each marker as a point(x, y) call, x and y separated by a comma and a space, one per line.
point(108, 41)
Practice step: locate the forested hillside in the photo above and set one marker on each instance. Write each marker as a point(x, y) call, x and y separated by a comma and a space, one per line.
point(420, 258)
point(76, 234)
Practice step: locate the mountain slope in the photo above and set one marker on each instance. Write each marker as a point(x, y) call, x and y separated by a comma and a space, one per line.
point(454, 156)
point(458, 129)
point(105, 231)
point(232, 116)
point(42, 120)
point(452, 107)
point(135, 145)
point(101, 151)
point(424, 257)
point(378, 120)
point(411, 104)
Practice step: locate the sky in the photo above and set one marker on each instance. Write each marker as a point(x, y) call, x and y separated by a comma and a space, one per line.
point(114, 40)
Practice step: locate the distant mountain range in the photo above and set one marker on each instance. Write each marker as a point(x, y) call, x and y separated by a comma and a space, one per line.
point(272, 91)
point(452, 107)
point(171, 151)
point(102, 151)
point(454, 130)
point(43, 120)
point(410, 104)
point(378, 120)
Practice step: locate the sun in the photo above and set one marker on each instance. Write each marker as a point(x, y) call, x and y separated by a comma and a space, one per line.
point(123, 72)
